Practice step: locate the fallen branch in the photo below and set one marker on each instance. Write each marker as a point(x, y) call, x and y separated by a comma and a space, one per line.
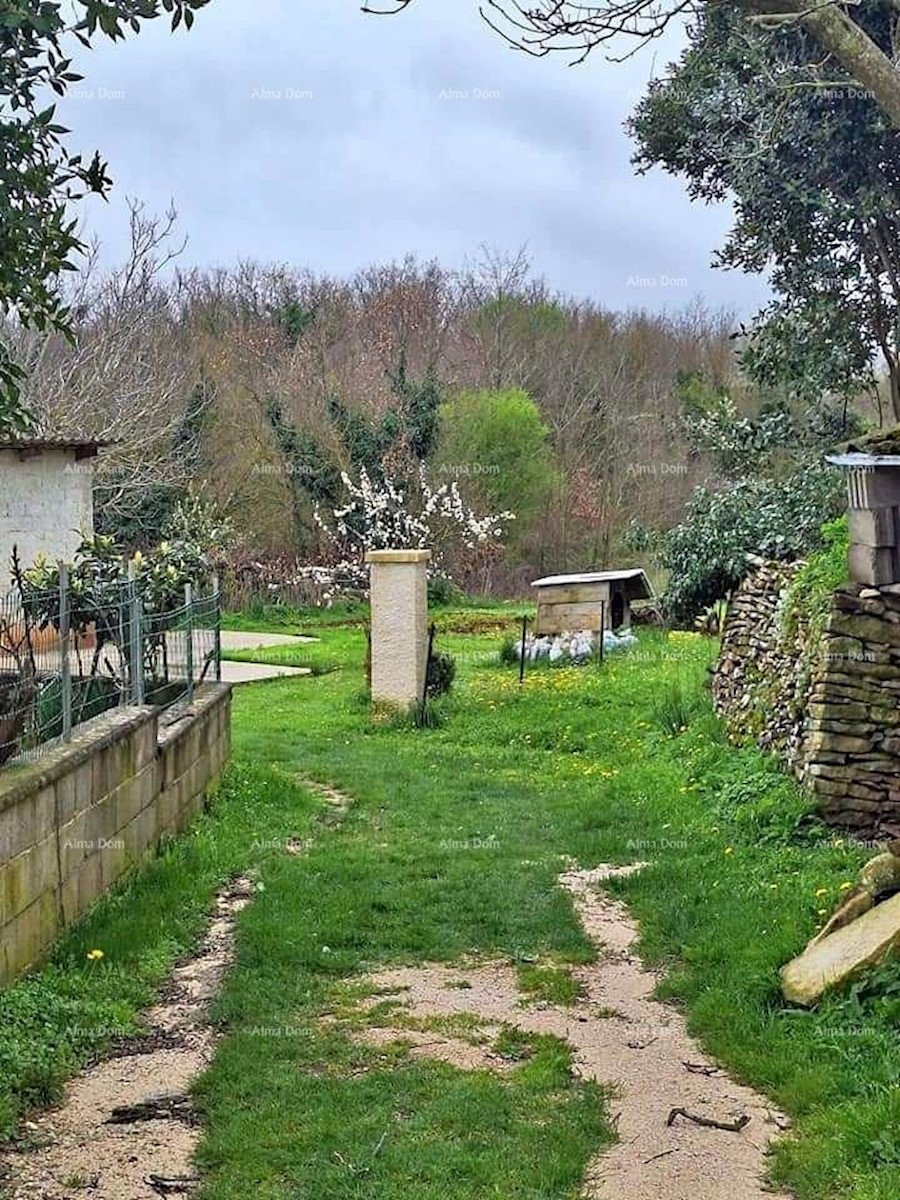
point(168, 1186)
point(702, 1069)
point(662, 1154)
point(157, 1108)
point(709, 1122)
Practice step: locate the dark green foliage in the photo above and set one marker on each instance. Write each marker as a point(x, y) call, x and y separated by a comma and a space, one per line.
point(781, 519)
point(778, 492)
point(442, 591)
point(90, 698)
point(441, 673)
point(365, 442)
point(421, 401)
point(815, 169)
point(508, 653)
point(39, 177)
point(293, 319)
point(312, 474)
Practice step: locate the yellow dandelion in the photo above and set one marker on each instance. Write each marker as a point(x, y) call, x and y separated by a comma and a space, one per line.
point(821, 892)
point(729, 849)
point(845, 886)
point(94, 955)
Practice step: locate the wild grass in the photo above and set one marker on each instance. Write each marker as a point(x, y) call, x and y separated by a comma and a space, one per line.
point(55, 1019)
point(450, 852)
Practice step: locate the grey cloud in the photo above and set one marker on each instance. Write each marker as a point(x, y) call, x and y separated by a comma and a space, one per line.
point(316, 135)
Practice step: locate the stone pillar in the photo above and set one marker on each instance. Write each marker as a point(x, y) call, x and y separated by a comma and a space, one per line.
point(399, 601)
point(874, 503)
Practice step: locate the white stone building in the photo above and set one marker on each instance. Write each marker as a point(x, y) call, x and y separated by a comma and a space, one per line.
point(46, 499)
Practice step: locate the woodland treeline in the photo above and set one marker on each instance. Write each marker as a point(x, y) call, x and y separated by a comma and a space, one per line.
point(262, 384)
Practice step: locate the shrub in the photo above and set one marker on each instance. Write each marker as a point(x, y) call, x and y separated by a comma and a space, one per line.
point(808, 600)
point(678, 703)
point(782, 519)
point(509, 651)
point(441, 673)
point(766, 805)
point(442, 591)
point(497, 442)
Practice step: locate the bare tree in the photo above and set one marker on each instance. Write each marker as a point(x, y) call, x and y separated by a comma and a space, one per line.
point(620, 27)
point(126, 375)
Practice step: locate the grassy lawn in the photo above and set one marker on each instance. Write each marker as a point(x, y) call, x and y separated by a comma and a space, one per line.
point(451, 851)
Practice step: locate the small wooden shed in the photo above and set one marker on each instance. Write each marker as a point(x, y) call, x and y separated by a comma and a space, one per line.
point(569, 603)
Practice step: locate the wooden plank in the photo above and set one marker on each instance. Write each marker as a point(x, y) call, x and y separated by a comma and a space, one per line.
point(567, 618)
point(574, 593)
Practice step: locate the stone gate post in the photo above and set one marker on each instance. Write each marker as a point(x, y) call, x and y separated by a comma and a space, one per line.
point(399, 602)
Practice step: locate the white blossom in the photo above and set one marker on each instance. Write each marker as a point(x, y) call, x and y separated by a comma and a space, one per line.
point(379, 516)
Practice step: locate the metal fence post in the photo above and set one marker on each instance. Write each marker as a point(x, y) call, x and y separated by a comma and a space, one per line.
point(65, 666)
point(217, 628)
point(136, 638)
point(522, 648)
point(189, 638)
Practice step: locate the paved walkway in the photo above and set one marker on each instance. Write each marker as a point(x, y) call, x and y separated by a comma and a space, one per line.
point(233, 639)
point(251, 672)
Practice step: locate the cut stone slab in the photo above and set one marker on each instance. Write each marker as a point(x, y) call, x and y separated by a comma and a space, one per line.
point(866, 941)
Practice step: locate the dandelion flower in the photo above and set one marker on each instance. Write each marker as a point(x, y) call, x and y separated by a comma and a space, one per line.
point(94, 955)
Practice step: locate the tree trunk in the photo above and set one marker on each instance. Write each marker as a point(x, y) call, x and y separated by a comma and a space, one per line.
point(861, 57)
point(894, 378)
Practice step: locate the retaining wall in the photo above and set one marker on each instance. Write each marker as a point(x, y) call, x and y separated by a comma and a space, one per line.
point(73, 822)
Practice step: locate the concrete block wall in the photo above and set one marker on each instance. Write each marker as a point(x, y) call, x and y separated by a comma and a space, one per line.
point(46, 502)
point(72, 823)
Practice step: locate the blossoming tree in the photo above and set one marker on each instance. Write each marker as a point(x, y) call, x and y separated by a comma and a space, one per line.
point(386, 515)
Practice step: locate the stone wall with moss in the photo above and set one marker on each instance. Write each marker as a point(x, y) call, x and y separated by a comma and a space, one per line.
point(761, 682)
point(825, 695)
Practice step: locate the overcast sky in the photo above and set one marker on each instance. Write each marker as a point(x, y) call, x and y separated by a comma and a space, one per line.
point(304, 132)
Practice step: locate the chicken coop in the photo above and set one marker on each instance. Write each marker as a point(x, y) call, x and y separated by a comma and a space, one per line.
point(595, 601)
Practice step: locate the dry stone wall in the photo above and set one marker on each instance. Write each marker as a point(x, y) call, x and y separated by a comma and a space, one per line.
point(830, 707)
point(852, 739)
point(761, 682)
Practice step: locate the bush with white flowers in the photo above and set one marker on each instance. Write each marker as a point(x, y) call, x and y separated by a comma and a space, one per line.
point(385, 515)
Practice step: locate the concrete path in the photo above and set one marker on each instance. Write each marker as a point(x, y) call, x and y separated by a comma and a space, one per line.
point(233, 639)
point(250, 672)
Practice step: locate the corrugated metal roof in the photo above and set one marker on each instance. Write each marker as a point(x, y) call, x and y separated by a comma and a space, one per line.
point(632, 573)
point(856, 458)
